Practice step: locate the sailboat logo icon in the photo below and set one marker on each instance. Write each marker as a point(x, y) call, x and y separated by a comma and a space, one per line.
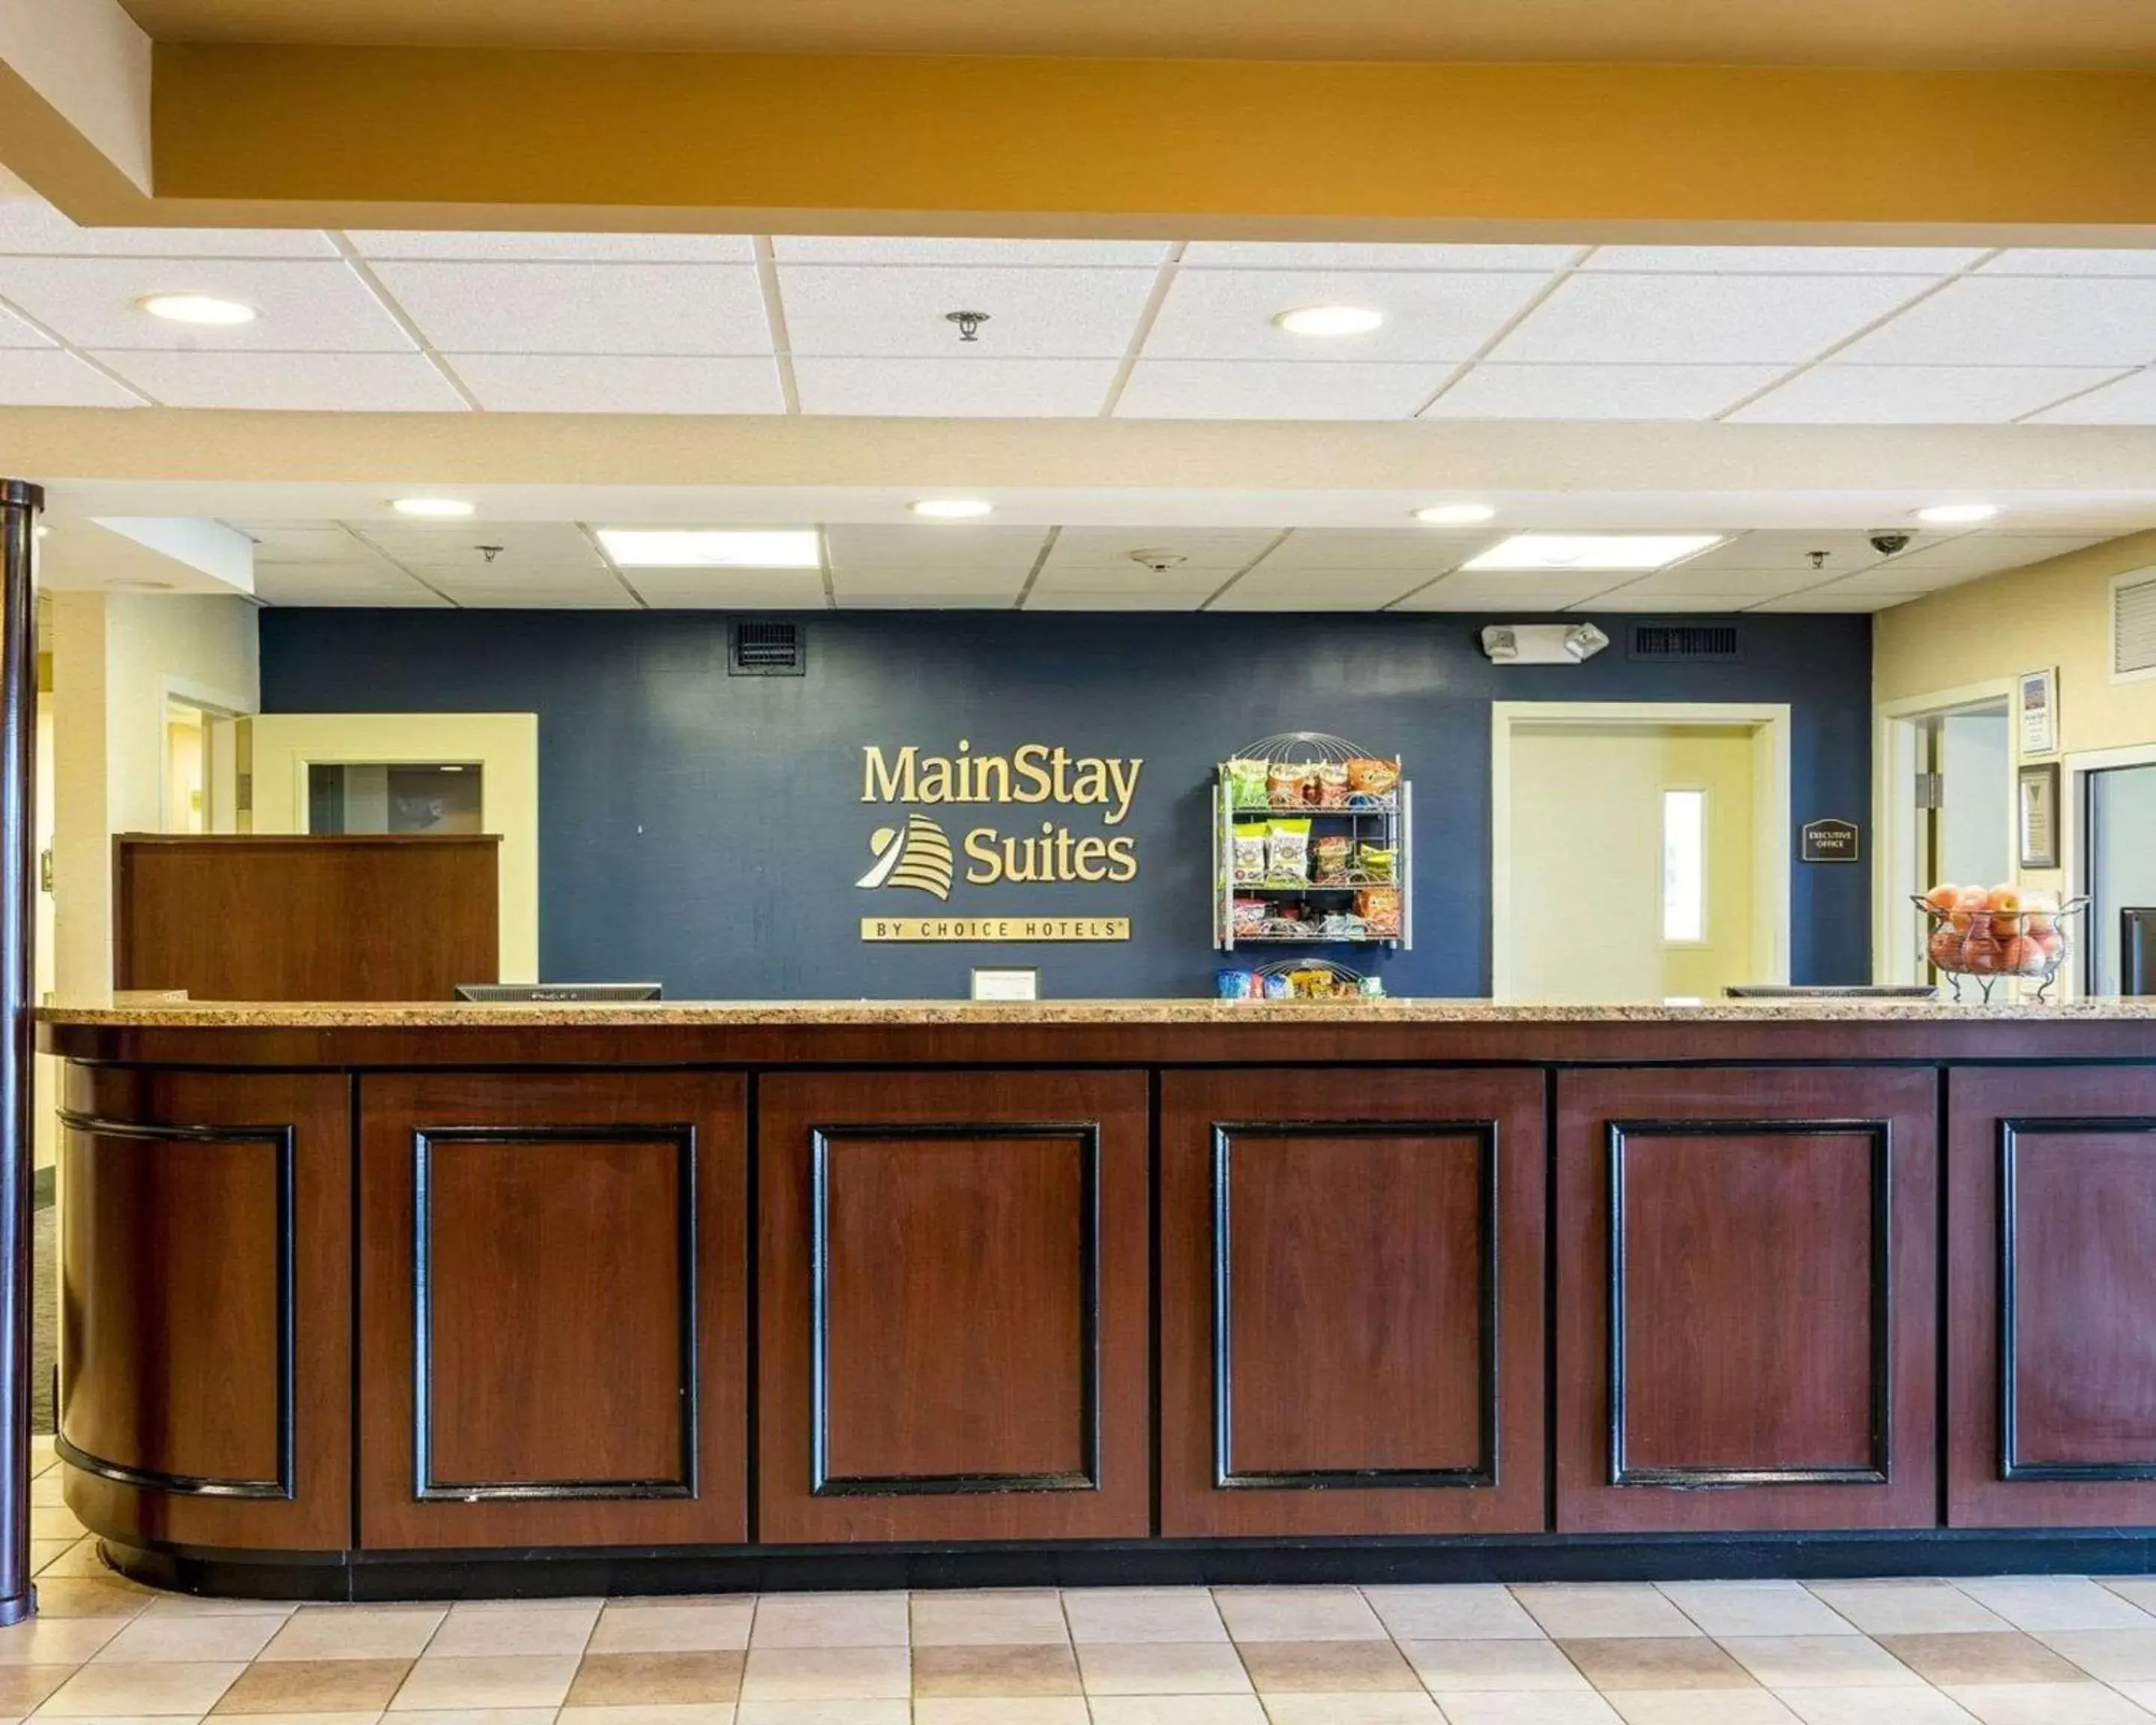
point(917, 855)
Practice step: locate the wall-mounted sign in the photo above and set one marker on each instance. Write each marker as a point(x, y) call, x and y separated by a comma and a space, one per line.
point(995, 928)
point(2039, 823)
point(1829, 841)
point(2037, 696)
point(924, 854)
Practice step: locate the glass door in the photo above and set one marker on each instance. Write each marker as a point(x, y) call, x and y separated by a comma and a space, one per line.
point(2118, 816)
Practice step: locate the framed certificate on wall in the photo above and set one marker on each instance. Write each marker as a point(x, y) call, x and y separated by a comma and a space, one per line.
point(2038, 813)
point(2036, 700)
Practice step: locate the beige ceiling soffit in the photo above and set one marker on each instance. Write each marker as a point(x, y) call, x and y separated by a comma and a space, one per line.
point(160, 554)
point(305, 135)
point(388, 450)
point(75, 105)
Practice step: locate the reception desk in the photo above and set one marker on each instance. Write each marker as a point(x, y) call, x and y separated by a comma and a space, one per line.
point(369, 1300)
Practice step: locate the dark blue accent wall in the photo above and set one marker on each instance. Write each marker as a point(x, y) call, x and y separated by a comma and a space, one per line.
point(707, 830)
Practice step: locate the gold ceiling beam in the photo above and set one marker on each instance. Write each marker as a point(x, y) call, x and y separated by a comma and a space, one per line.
point(791, 143)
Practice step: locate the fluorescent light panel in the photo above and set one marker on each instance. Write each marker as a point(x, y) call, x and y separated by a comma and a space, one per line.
point(1591, 550)
point(711, 548)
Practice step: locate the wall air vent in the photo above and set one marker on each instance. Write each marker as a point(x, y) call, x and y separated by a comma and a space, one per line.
point(1685, 643)
point(766, 649)
point(2134, 624)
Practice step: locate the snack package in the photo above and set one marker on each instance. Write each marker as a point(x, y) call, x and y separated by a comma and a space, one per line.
point(1379, 908)
point(1249, 917)
point(1287, 853)
point(1331, 784)
point(1341, 927)
point(1246, 784)
point(1248, 867)
point(1329, 860)
point(1283, 782)
point(1378, 863)
point(1371, 782)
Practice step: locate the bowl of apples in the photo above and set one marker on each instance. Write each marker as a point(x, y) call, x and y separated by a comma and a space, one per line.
point(1989, 932)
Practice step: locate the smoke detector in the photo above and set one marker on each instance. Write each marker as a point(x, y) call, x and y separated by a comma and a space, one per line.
point(1159, 561)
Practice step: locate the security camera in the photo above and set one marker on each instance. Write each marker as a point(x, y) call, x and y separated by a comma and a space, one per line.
point(1887, 543)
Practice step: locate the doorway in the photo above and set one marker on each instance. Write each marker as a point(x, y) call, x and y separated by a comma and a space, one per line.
point(2118, 873)
point(1639, 851)
point(1943, 791)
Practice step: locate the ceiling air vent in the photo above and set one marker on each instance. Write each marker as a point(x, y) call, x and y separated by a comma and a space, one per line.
point(766, 649)
point(1685, 642)
point(2134, 624)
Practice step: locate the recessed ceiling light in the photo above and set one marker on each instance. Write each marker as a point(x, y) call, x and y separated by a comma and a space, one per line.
point(1456, 515)
point(197, 308)
point(712, 548)
point(1957, 515)
point(1591, 551)
point(442, 509)
point(951, 509)
point(1330, 319)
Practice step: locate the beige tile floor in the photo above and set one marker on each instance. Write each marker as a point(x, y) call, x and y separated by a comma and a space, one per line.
point(2005, 1650)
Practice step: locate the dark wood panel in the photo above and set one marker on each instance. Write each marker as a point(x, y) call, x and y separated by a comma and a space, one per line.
point(1351, 1302)
point(205, 1306)
point(953, 1316)
point(553, 1310)
point(2051, 1298)
point(1745, 1284)
point(327, 918)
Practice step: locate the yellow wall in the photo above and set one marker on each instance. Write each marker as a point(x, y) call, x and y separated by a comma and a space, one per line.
point(2050, 614)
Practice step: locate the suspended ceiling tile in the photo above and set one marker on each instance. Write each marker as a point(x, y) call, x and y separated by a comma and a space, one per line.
point(559, 247)
point(1919, 395)
point(1227, 314)
point(895, 313)
point(620, 384)
point(926, 599)
point(1266, 589)
point(940, 545)
point(1933, 261)
point(928, 578)
point(1526, 595)
point(2072, 261)
point(310, 542)
point(583, 308)
point(1188, 599)
point(1986, 553)
point(497, 588)
point(311, 307)
point(1107, 550)
point(1429, 550)
point(2130, 401)
point(1701, 319)
point(1320, 254)
point(729, 589)
point(1839, 596)
point(1788, 551)
point(48, 378)
point(299, 383)
point(31, 227)
point(16, 333)
point(364, 581)
point(1252, 389)
point(967, 388)
point(995, 254)
point(2032, 320)
point(1630, 601)
point(455, 544)
point(1745, 586)
point(1599, 392)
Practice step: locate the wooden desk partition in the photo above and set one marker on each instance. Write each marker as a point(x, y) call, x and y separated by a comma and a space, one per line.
point(300, 917)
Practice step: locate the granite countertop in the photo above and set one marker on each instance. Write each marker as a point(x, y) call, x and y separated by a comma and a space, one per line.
point(157, 1010)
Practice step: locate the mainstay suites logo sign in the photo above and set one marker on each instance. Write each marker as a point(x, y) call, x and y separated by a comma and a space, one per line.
point(1089, 795)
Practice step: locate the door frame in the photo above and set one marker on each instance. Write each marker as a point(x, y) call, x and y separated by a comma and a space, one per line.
point(1769, 723)
point(1894, 728)
point(2074, 770)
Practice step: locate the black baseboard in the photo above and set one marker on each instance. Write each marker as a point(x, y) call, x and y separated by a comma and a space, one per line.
point(536, 1574)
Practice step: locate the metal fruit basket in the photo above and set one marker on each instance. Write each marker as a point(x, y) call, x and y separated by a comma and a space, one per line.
point(1989, 946)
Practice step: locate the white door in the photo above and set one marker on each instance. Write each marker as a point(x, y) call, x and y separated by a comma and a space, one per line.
point(1633, 858)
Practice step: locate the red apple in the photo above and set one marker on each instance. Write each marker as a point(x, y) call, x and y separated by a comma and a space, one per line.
point(1981, 953)
point(2042, 906)
point(1942, 897)
point(1967, 903)
point(2022, 954)
point(2052, 943)
point(1945, 947)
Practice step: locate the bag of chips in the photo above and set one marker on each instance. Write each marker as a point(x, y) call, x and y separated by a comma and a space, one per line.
point(1287, 853)
point(1246, 784)
point(1329, 858)
point(1248, 863)
point(1283, 782)
point(1331, 784)
point(1249, 917)
point(1371, 782)
point(1378, 863)
point(1379, 908)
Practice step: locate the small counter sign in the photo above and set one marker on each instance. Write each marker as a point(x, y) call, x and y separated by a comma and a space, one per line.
point(1829, 841)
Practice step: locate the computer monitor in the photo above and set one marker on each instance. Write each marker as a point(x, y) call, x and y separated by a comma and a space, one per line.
point(519, 993)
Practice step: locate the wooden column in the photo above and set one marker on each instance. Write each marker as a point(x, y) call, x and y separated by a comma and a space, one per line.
point(20, 505)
